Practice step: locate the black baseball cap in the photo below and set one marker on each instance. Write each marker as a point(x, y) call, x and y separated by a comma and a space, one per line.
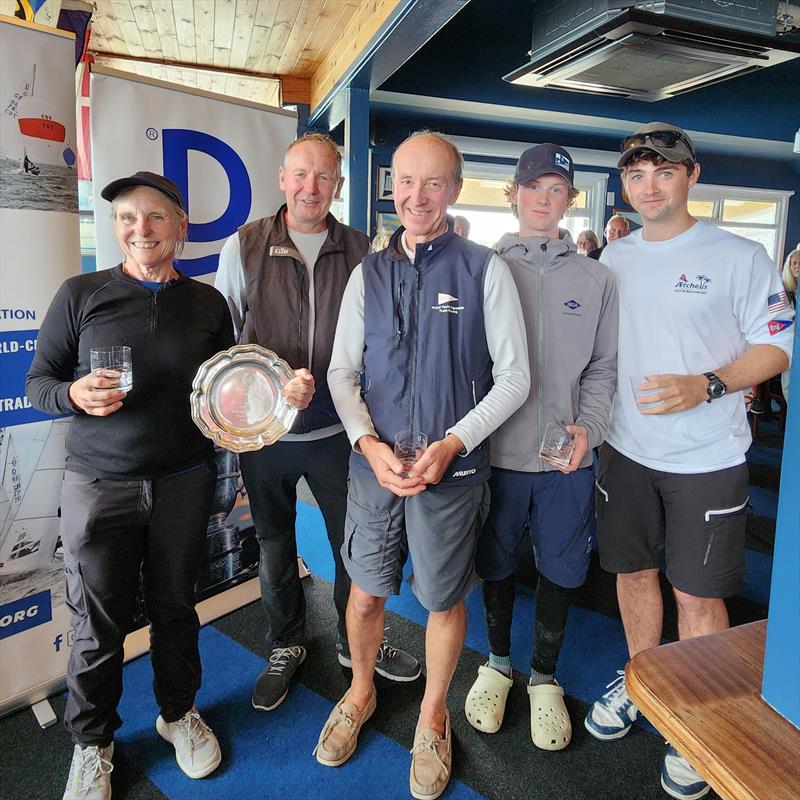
point(542, 160)
point(669, 141)
point(149, 179)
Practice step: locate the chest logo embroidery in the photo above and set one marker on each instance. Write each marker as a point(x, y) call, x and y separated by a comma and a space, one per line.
point(446, 304)
point(697, 285)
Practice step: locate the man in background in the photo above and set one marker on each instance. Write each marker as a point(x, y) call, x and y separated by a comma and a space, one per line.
point(616, 228)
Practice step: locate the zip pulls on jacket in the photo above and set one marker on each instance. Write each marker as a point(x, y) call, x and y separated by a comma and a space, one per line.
point(399, 313)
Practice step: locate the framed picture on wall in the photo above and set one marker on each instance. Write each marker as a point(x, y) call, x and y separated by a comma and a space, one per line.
point(388, 223)
point(384, 190)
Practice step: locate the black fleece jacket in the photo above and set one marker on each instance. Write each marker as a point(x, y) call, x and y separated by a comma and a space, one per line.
point(170, 333)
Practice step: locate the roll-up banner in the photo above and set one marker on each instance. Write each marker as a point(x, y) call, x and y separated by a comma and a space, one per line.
point(39, 249)
point(224, 155)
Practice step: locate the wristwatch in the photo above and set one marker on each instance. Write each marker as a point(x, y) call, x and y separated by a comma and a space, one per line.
point(716, 388)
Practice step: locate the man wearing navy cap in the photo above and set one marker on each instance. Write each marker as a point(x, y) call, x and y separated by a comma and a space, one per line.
point(703, 316)
point(570, 309)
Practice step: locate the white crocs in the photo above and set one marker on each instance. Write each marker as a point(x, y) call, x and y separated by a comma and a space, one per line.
point(550, 725)
point(485, 706)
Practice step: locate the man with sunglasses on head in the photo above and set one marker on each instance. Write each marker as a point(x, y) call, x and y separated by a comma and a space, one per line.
point(702, 318)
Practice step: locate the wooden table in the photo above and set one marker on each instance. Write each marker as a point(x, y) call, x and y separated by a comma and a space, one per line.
point(704, 695)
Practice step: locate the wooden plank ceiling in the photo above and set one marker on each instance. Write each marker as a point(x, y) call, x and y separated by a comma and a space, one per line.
point(267, 51)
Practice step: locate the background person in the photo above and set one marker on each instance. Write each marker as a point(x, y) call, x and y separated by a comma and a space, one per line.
point(789, 275)
point(570, 310)
point(698, 326)
point(461, 226)
point(284, 277)
point(616, 228)
point(432, 328)
point(587, 241)
point(139, 477)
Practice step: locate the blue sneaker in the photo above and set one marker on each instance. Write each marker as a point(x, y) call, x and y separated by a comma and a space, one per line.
point(678, 778)
point(612, 715)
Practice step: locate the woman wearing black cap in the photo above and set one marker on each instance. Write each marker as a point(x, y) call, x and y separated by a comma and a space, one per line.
point(139, 476)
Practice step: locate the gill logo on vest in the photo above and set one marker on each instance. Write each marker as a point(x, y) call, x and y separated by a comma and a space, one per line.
point(280, 250)
point(444, 303)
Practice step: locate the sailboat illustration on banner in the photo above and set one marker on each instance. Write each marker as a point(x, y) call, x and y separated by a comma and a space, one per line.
point(43, 137)
point(29, 496)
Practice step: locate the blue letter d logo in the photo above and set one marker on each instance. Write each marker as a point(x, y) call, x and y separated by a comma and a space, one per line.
point(177, 143)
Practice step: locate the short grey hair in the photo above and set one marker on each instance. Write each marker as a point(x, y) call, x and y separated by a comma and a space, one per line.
point(455, 154)
point(318, 138)
point(174, 207)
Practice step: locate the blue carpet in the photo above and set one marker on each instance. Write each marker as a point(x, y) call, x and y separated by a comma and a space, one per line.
point(264, 755)
point(594, 646)
point(764, 501)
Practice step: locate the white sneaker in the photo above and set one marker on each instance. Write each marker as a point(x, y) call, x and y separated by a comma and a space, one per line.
point(196, 748)
point(90, 773)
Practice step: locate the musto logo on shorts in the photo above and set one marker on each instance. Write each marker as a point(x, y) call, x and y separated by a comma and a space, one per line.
point(447, 304)
point(697, 285)
point(27, 612)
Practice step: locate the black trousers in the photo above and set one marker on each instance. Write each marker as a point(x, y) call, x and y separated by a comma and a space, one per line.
point(552, 608)
point(116, 534)
point(270, 477)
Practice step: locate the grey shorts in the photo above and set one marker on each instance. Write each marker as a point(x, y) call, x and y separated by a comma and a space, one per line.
point(692, 525)
point(438, 528)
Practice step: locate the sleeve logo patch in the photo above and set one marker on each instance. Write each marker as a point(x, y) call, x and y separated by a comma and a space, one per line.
point(778, 325)
point(777, 302)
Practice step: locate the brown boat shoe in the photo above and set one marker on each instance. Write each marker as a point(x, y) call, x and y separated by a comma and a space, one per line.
point(431, 761)
point(339, 737)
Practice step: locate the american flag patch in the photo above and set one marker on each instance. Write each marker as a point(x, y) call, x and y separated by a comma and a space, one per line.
point(777, 302)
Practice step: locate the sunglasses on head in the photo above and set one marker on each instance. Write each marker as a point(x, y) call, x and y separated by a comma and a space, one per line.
point(667, 139)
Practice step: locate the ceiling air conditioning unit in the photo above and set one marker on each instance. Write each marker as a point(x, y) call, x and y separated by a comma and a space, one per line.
point(588, 46)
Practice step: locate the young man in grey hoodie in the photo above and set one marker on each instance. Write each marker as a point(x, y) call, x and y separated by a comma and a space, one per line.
point(570, 307)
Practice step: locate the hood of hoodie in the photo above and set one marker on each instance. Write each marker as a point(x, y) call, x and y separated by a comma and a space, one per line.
point(526, 249)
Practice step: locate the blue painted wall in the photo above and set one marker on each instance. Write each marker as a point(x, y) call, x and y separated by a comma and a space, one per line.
point(716, 169)
point(781, 687)
point(489, 38)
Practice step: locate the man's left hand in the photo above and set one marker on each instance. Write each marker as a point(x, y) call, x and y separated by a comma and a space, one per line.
point(300, 389)
point(433, 463)
point(676, 393)
point(580, 450)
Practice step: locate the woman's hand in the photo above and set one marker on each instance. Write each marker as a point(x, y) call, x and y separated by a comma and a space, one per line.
point(96, 394)
point(300, 389)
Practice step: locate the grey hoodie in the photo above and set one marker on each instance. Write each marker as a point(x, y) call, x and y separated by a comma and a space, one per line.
point(571, 317)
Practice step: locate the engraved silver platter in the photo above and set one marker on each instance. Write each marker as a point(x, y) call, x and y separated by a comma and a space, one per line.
point(236, 398)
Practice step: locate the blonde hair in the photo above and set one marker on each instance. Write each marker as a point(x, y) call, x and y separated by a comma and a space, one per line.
point(512, 186)
point(789, 280)
point(591, 236)
point(318, 138)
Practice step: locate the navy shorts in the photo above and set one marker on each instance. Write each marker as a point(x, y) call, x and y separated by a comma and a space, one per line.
point(557, 508)
point(439, 527)
point(693, 525)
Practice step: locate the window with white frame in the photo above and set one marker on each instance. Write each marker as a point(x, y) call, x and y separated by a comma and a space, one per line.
point(483, 202)
point(757, 214)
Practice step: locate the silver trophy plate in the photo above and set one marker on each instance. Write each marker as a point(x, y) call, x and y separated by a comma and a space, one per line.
point(236, 398)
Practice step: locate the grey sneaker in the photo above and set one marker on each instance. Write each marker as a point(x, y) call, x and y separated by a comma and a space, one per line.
point(273, 683)
point(90, 773)
point(391, 663)
point(196, 748)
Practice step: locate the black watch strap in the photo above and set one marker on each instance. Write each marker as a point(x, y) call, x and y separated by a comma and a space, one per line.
point(716, 388)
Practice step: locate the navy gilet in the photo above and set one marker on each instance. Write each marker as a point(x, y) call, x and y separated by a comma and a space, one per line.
point(426, 360)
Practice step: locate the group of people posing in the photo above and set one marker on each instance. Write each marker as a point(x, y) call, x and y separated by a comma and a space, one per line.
point(642, 356)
